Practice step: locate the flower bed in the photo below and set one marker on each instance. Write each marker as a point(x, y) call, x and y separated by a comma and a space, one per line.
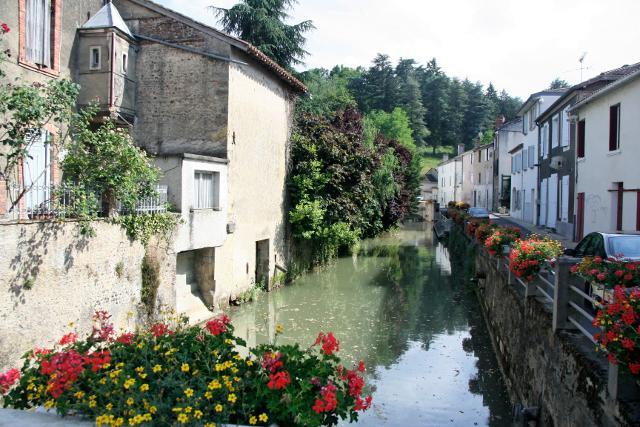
point(500, 237)
point(605, 274)
point(528, 255)
point(171, 374)
point(619, 321)
point(483, 230)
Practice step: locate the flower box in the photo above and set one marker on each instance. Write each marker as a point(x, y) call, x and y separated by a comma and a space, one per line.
point(600, 294)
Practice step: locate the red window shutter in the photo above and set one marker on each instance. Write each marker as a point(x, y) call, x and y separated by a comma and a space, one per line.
point(581, 135)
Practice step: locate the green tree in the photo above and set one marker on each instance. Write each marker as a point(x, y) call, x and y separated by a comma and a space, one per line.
point(263, 24)
point(558, 83)
point(453, 129)
point(475, 115)
point(328, 91)
point(377, 89)
point(410, 99)
point(434, 85)
point(394, 126)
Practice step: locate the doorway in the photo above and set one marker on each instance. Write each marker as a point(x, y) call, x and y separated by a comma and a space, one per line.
point(262, 263)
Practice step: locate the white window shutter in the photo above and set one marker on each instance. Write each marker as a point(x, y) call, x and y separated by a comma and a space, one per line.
point(565, 199)
point(566, 126)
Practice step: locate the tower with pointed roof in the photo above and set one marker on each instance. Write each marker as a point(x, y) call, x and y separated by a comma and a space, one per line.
point(106, 65)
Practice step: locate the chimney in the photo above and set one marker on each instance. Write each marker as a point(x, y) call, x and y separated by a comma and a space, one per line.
point(460, 149)
point(445, 157)
point(499, 121)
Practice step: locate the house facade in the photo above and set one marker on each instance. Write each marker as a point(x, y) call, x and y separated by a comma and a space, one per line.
point(213, 111)
point(429, 185)
point(607, 179)
point(524, 167)
point(482, 176)
point(508, 136)
point(449, 180)
point(558, 135)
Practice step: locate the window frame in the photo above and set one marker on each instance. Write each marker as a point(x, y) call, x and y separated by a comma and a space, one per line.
point(56, 24)
point(215, 191)
point(93, 67)
point(614, 129)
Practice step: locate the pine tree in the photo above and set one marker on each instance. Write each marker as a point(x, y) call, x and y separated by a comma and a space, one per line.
point(434, 85)
point(377, 89)
point(262, 23)
point(410, 99)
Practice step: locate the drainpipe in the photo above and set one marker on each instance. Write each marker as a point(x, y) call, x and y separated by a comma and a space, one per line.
point(113, 75)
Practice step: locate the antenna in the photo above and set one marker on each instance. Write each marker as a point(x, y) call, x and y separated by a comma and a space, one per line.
point(581, 61)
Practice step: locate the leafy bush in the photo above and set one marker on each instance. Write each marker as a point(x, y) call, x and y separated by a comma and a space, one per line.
point(171, 374)
point(619, 322)
point(528, 255)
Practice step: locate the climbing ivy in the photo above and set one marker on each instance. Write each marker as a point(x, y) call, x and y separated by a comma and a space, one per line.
point(142, 227)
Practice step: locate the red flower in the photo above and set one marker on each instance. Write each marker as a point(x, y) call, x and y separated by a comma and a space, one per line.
point(271, 361)
point(601, 277)
point(218, 325)
point(631, 266)
point(612, 359)
point(160, 329)
point(70, 338)
point(318, 406)
point(329, 343)
point(126, 338)
point(634, 368)
point(619, 273)
point(628, 344)
point(5, 28)
point(627, 277)
point(361, 367)
point(279, 380)
point(8, 378)
point(597, 260)
point(363, 405)
point(574, 268)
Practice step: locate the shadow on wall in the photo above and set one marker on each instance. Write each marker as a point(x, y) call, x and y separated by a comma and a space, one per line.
point(32, 252)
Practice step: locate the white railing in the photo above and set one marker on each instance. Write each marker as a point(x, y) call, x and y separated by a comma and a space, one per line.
point(151, 205)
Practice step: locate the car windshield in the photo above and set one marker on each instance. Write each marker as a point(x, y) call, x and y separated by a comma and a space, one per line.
point(625, 246)
point(478, 211)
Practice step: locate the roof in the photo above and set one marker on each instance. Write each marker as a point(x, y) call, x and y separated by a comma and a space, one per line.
point(516, 148)
point(107, 17)
point(431, 175)
point(514, 125)
point(621, 82)
point(244, 46)
point(606, 77)
point(530, 101)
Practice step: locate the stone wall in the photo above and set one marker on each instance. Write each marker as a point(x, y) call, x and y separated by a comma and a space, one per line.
point(53, 277)
point(557, 372)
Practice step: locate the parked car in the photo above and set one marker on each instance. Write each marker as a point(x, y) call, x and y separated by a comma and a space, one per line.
point(478, 213)
point(620, 245)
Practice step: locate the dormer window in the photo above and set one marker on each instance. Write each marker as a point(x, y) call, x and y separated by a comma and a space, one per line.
point(95, 58)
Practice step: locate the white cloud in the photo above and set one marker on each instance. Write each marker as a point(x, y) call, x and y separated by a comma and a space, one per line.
point(519, 46)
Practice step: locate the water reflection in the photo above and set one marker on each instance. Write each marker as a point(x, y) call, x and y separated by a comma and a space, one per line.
point(396, 306)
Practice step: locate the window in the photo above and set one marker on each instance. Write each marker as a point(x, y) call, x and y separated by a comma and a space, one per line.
point(479, 178)
point(206, 190)
point(581, 135)
point(124, 63)
point(95, 62)
point(38, 32)
point(532, 117)
point(614, 127)
point(525, 124)
point(555, 130)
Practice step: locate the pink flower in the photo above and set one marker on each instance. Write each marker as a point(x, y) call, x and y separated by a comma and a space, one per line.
point(5, 28)
point(8, 378)
point(70, 338)
point(218, 325)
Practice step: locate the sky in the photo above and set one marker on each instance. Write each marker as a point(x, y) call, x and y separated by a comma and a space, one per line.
point(519, 46)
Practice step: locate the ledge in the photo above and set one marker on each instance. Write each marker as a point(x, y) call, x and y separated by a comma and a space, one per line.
point(205, 158)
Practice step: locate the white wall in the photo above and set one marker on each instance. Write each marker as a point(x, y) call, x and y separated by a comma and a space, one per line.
point(449, 178)
point(600, 169)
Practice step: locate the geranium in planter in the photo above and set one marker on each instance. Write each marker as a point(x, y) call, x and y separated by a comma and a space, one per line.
point(484, 230)
point(500, 237)
point(619, 322)
point(171, 374)
point(604, 275)
point(529, 255)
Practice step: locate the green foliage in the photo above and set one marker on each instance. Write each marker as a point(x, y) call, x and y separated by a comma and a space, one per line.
point(172, 374)
point(106, 161)
point(119, 269)
point(144, 226)
point(150, 273)
point(558, 83)
point(329, 91)
point(394, 126)
point(263, 23)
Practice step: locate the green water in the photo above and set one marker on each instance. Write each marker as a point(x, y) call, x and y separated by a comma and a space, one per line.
point(398, 306)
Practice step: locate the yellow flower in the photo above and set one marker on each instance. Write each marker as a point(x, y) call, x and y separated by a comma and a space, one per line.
point(215, 384)
point(210, 425)
point(143, 376)
point(79, 394)
point(249, 363)
point(208, 395)
point(253, 420)
point(141, 345)
point(197, 414)
point(188, 392)
point(119, 365)
point(184, 367)
point(49, 404)
point(263, 418)
point(92, 404)
point(188, 409)
point(103, 381)
point(156, 347)
point(128, 383)
point(279, 328)
point(236, 379)
point(144, 387)
point(232, 398)
point(130, 401)
point(183, 418)
point(31, 386)
point(109, 406)
point(157, 368)
point(177, 409)
point(228, 341)
point(218, 408)
point(139, 369)
point(237, 357)
point(153, 409)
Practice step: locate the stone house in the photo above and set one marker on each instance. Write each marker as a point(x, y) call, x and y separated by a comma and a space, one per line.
point(607, 179)
point(214, 111)
point(482, 176)
point(558, 134)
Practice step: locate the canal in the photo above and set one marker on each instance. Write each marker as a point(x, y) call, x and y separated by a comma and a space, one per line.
point(398, 306)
